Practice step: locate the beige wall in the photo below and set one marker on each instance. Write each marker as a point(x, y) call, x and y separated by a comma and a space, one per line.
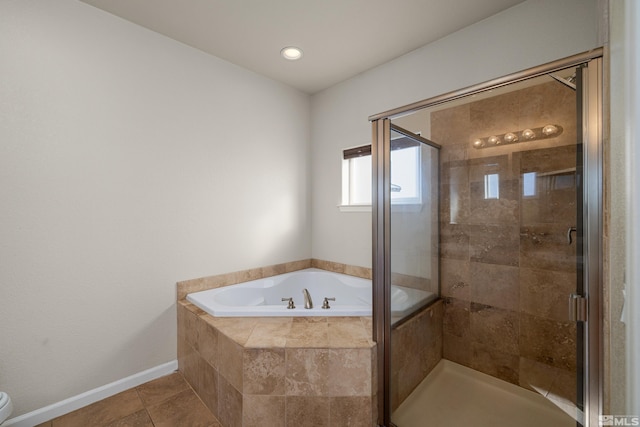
point(128, 162)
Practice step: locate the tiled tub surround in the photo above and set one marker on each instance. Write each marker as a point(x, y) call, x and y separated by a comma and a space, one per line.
point(506, 266)
point(281, 371)
point(288, 371)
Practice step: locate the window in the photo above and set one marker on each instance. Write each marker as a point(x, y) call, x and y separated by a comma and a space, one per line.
point(356, 180)
point(405, 175)
point(529, 184)
point(492, 186)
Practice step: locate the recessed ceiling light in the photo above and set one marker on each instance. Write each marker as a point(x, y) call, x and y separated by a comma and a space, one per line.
point(291, 53)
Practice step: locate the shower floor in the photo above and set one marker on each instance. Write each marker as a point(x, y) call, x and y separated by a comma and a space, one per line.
point(453, 395)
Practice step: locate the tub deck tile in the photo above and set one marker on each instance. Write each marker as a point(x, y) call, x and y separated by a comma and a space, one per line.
point(309, 332)
point(313, 370)
point(238, 329)
point(270, 332)
point(347, 332)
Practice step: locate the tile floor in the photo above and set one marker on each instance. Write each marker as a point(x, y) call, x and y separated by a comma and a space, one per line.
point(165, 402)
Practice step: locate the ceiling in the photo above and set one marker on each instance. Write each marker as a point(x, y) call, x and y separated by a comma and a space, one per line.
point(340, 38)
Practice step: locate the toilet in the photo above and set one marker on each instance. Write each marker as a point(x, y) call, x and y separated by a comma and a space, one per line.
point(5, 406)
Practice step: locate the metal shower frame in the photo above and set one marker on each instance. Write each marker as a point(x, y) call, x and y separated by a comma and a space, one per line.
point(591, 101)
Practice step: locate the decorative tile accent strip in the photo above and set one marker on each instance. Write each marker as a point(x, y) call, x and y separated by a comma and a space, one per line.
point(210, 282)
point(336, 267)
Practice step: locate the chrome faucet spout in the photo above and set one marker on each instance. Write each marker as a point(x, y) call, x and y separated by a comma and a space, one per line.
point(308, 303)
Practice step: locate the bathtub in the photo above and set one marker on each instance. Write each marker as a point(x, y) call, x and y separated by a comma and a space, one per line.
point(263, 297)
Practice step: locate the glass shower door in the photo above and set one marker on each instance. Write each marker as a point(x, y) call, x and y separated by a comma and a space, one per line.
point(518, 184)
point(416, 332)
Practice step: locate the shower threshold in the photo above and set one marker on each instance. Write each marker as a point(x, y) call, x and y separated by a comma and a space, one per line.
point(457, 396)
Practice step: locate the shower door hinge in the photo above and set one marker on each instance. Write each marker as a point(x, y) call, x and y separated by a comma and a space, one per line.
point(577, 308)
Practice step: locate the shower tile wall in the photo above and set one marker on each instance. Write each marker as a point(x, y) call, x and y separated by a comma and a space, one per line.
point(506, 266)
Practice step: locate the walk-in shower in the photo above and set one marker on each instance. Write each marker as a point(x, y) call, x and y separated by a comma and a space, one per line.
point(490, 198)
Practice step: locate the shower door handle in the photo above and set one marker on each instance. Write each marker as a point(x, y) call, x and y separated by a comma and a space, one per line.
point(569, 231)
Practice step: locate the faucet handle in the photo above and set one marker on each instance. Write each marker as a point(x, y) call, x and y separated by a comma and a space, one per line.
point(291, 305)
point(325, 303)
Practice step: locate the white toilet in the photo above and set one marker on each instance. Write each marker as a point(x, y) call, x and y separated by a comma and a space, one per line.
point(5, 406)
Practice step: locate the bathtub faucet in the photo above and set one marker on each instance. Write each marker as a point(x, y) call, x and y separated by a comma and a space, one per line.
point(308, 303)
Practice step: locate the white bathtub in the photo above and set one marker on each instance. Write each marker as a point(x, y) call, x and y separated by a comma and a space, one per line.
point(263, 297)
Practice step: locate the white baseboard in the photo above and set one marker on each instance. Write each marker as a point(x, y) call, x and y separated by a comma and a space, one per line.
point(47, 413)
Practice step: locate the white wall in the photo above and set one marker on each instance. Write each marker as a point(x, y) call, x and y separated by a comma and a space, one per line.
point(128, 162)
point(529, 34)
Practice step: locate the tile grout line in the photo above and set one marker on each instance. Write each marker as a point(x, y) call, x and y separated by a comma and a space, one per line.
point(199, 398)
point(144, 405)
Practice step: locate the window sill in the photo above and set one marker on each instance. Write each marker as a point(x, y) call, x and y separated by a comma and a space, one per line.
point(354, 208)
